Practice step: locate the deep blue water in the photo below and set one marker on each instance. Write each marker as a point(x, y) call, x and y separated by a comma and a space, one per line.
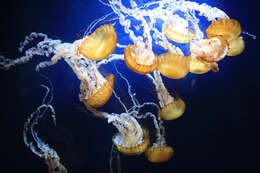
point(217, 133)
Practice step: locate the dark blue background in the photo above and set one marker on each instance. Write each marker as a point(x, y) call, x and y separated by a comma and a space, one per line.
point(218, 132)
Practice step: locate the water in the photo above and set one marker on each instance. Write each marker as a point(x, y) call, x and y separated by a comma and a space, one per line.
point(217, 133)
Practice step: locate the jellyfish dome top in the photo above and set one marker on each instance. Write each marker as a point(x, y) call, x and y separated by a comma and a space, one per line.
point(99, 44)
point(167, 24)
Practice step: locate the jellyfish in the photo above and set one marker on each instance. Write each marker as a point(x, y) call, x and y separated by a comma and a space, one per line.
point(100, 44)
point(35, 143)
point(158, 154)
point(94, 96)
point(170, 108)
point(210, 50)
point(173, 66)
point(131, 139)
point(159, 151)
point(173, 110)
point(236, 47)
point(177, 29)
point(140, 60)
point(230, 29)
point(197, 66)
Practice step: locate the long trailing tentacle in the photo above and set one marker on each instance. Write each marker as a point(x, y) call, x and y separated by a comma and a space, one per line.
point(35, 143)
point(46, 47)
point(114, 154)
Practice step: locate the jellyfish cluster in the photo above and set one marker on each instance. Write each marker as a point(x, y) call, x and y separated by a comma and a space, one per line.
point(166, 24)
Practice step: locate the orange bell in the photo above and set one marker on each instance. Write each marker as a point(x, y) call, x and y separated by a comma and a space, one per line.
point(212, 49)
point(102, 95)
point(173, 66)
point(100, 44)
point(141, 61)
point(173, 110)
point(159, 154)
point(133, 150)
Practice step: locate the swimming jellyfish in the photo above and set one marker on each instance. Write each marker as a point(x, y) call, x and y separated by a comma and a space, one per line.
point(173, 66)
point(171, 108)
point(177, 29)
point(140, 59)
point(230, 29)
point(100, 44)
point(210, 50)
point(199, 67)
point(157, 154)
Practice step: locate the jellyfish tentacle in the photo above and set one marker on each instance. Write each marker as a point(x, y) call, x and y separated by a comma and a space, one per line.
point(42, 149)
point(30, 38)
point(132, 96)
point(249, 34)
point(114, 153)
point(134, 111)
point(170, 108)
point(94, 23)
point(163, 95)
point(43, 48)
point(111, 58)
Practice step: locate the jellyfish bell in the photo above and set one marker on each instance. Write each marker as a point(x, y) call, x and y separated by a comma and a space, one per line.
point(173, 66)
point(197, 66)
point(131, 139)
point(179, 37)
point(158, 154)
point(99, 96)
point(100, 44)
point(135, 149)
point(173, 110)
point(140, 60)
point(177, 29)
point(230, 29)
point(236, 47)
point(212, 49)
